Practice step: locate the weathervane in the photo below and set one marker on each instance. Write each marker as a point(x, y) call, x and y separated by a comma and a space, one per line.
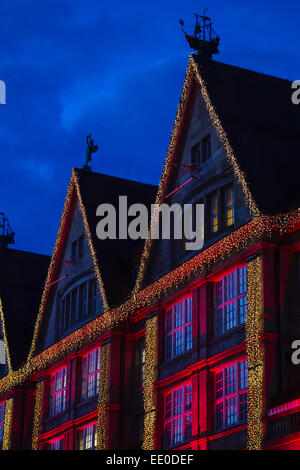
point(91, 148)
point(204, 40)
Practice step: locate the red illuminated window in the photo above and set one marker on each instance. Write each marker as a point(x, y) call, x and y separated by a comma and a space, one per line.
point(56, 444)
point(178, 416)
point(90, 374)
point(231, 301)
point(87, 438)
point(231, 395)
point(179, 328)
point(2, 419)
point(58, 392)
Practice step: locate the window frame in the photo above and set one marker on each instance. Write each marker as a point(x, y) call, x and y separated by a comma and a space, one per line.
point(173, 328)
point(93, 375)
point(205, 143)
point(81, 442)
point(232, 309)
point(229, 207)
point(62, 392)
point(230, 394)
point(178, 415)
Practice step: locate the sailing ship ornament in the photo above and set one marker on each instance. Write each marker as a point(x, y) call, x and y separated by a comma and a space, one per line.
point(205, 41)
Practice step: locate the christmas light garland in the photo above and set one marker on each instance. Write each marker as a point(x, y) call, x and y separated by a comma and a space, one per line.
point(239, 239)
point(102, 423)
point(150, 375)
point(254, 327)
point(37, 414)
point(2, 319)
point(6, 443)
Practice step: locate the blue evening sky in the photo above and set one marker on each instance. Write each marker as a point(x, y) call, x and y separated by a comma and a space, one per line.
point(114, 69)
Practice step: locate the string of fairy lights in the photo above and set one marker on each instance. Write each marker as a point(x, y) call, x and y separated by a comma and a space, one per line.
point(102, 423)
point(254, 327)
point(261, 226)
point(37, 414)
point(2, 319)
point(149, 379)
point(6, 443)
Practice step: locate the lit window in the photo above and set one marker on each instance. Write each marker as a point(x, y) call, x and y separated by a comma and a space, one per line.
point(179, 336)
point(214, 213)
point(2, 419)
point(229, 206)
point(58, 392)
point(178, 416)
point(56, 444)
point(231, 395)
point(88, 437)
point(90, 374)
point(231, 301)
point(205, 148)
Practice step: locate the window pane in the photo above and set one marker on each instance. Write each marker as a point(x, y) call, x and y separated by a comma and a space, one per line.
point(179, 342)
point(188, 338)
point(230, 316)
point(231, 414)
point(230, 379)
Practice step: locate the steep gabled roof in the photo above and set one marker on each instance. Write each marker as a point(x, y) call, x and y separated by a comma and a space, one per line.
point(259, 127)
point(110, 257)
point(22, 276)
point(113, 255)
point(263, 128)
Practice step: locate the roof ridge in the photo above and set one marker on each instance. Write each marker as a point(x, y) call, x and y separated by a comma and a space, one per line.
point(243, 69)
point(77, 170)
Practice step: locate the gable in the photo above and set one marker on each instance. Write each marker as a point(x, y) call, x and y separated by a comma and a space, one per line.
point(75, 296)
point(191, 185)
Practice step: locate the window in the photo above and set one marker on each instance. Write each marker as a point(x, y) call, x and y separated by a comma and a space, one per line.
point(179, 328)
point(205, 148)
point(231, 301)
point(93, 297)
point(2, 419)
point(56, 444)
point(195, 154)
point(178, 416)
point(77, 248)
point(229, 206)
point(58, 392)
point(214, 217)
point(80, 246)
point(231, 395)
point(83, 300)
point(88, 437)
point(90, 374)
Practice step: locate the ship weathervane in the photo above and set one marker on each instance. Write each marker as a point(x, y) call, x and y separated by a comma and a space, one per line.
point(205, 41)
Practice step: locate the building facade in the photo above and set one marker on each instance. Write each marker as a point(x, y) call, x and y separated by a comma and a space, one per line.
point(148, 345)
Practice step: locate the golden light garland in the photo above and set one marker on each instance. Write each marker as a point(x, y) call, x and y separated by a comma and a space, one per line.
point(37, 414)
point(102, 423)
point(6, 445)
point(241, 238)
point(2, 319)
point(150, 375)
point(254, 327)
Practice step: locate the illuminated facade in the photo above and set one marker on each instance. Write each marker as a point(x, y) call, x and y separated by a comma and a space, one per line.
point(151, 346)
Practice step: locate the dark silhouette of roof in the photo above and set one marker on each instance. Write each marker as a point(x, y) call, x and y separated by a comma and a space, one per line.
point(114, 255)
point(22, 278)
point(263, 128)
